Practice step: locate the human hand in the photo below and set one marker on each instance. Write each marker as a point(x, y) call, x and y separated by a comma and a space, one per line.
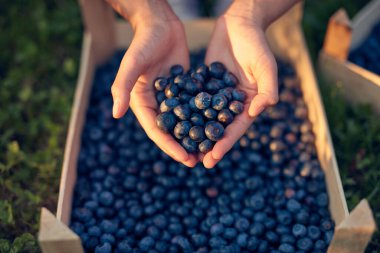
point(239, 42)
point(159, 42)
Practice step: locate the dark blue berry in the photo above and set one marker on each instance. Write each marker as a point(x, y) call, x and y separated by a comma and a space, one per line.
point(146, 243)
point(183, 112)
point(293, 205)
point(313, 232)
point(197, 119)
point(230, 79)
point(189, 145)
point(197, 134)
point(171, 91)
point(193, 86)
point(109, 226)
point(182, 129)
point(94, 231)
point(219, 101)
point(305, 244)
point(203, 70)
point(225, 116)
point(238, 95)
point(176, 70)
point(242, 240)
point(210, 113)
point(199, 240)
point(242, 224)
point(227, 92)
point(104, 248)
point(202, 100)
point(160, 83)
point(216, 229)
point(236, 107)
point(299, 230)
point(107, 238)
point(166, 121)
point(217, 70)
point(214, 130)
point(192, 105)
point(229, 233)
point(168, 104)
point(253, 243)
point(213, 86)
point(205, 146)
point(217, 242)
point(226, 219)
point(286, 248)
point(184, 97)
point(124, 246)
point(198, 76)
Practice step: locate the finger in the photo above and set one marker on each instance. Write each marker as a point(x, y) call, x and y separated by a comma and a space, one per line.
point(232, 134)
point(131, 67)
point(267, 87)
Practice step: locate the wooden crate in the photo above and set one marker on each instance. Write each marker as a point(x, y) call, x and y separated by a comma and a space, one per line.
point(356, 83)
point(104, 35)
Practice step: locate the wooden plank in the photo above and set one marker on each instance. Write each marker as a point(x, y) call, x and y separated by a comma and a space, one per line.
point(73, 139)
point(338, 36)
point(354, 233)
point(56, 237)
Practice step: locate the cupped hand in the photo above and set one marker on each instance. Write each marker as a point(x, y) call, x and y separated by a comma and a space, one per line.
point(158, 44)
point(239, 43)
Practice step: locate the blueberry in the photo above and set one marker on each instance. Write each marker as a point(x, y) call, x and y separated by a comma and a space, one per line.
point(197, 119)
point(184, 97)
point(199, 240)
point(293, 205)
point(202, 100)
point(160, 83)
point(82, 214)
point(183, 112)
point(217, 242)
point(210, 113)
point(257, 202)
point(320, 245)
point(288, 239)
point(242, 224)
point(153, 232)
point(313, 232)
point(226, 219)
point(192, 105)
point(254, 243)
point(161, 246)
point(203, 70)
point(214, 130)
point(205, 146)
point(217, 69)
point(183, 244)
point(121, 233)
point(196, 133)
point(104, 248)
point(271, 237)
point(242, 240)
point(198, 76)
point(219, 101)
point(227, 92)
point(305, 244)
point(299, 230)
point(124, 247)
point(230, 79)
point(94, 231)
point(327, 225)
point(286, 248)
point(166, 121)
point(168, 104)
point(189, 145)
point(213, 86)
point(229, 233)
point(107, 238)
point(236, 107)
point(176, 70)
point(225, 117)
point(193, 86)
point(171, 91)
point(216, 229)
point(108, 226)
point(175, 228)
point(238, 95)
point(146, 244)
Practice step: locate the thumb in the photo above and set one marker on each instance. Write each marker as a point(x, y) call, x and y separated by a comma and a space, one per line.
point(131, 67)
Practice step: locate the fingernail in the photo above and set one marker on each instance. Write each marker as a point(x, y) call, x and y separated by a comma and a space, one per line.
point(116, 108)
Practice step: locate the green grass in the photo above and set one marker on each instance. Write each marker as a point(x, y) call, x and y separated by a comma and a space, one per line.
point(41, 42)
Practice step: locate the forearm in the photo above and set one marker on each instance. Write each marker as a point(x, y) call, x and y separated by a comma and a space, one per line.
point(143, 11)
point(260, 12)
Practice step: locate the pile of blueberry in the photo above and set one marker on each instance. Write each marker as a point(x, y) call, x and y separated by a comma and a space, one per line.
point(196, 106)
point(268, 194)
point(367, 55)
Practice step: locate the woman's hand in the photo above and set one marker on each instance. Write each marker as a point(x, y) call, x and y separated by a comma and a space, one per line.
point(239, 42)
point(159, 42)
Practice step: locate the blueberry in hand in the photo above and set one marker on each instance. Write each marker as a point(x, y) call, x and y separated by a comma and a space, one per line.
point(214, 85)
point(202, 100)
point(238, 95)
point(193, 86)
point(197, 133)
point(227, 92)
point(182, 129)
point(230, 79)
point(203, 70)
point(236, 107)
point(205, 146)
point(210, 113)
point(225, 116)
point(197, 119)
point(199, 77)
point(214, 130)
point(160, 96)
point(181, 80)
point(192, 105)
point(184, 97)
point(219, 101)
point(160, 83)
point(168, 104)
point(183, 112)
point(189, 145)
point(217, 69)
point(171, 90)
point(166, 121)
point(176, 70)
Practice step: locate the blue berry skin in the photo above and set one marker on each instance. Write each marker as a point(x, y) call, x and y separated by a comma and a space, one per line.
point(107, 238)
point(192, 105)
point(199, 240)
point(162, 246)
point(320, 245)
point(106, 198)
point(229, 233)
point(327, 225)
point(171, 90)
point(214, 130)
point(299, 230)
point(175, 228)
point(214, 85)
point(226, 219)
point(254, 243)
point(183, 244)
point(242, 240)
point(202, 100)
point(219, 101)
point(124, 247)
point(166, 121)
point(146, 243)
point(160, 83)
point(205, 146)
point(230, 79)
point(210, 113)
point(236, 107)
point(197, 134)
point(198, 76)
point(305, 244)
point(109, 226)
point(160, 96)
point(184, 97)
point(82, 214)
point(153, 232)
point(238, 95)
point(242, 224)
point(217, 69)
point(189, 145)
point(271, 237)
point(193, 86)
point(121, 233)
point(288, 239)
point(227, 92)
point(104, 248)
point(257, 202)
point(168, 104)
point(203, 70)
point(160, 221)
point(176, 70)
point(216, 229)
point(183, 112)
point(293, 205)
point(286, 248)
point(225, 117)
point(217, 242)
point(94, 231)
point(197, 119)
point(313, 232)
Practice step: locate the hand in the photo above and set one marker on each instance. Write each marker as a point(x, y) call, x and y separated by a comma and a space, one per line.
point(159, 42)
point(239, 42)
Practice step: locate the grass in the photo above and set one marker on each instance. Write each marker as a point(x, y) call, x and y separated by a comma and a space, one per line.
point(38, 72)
